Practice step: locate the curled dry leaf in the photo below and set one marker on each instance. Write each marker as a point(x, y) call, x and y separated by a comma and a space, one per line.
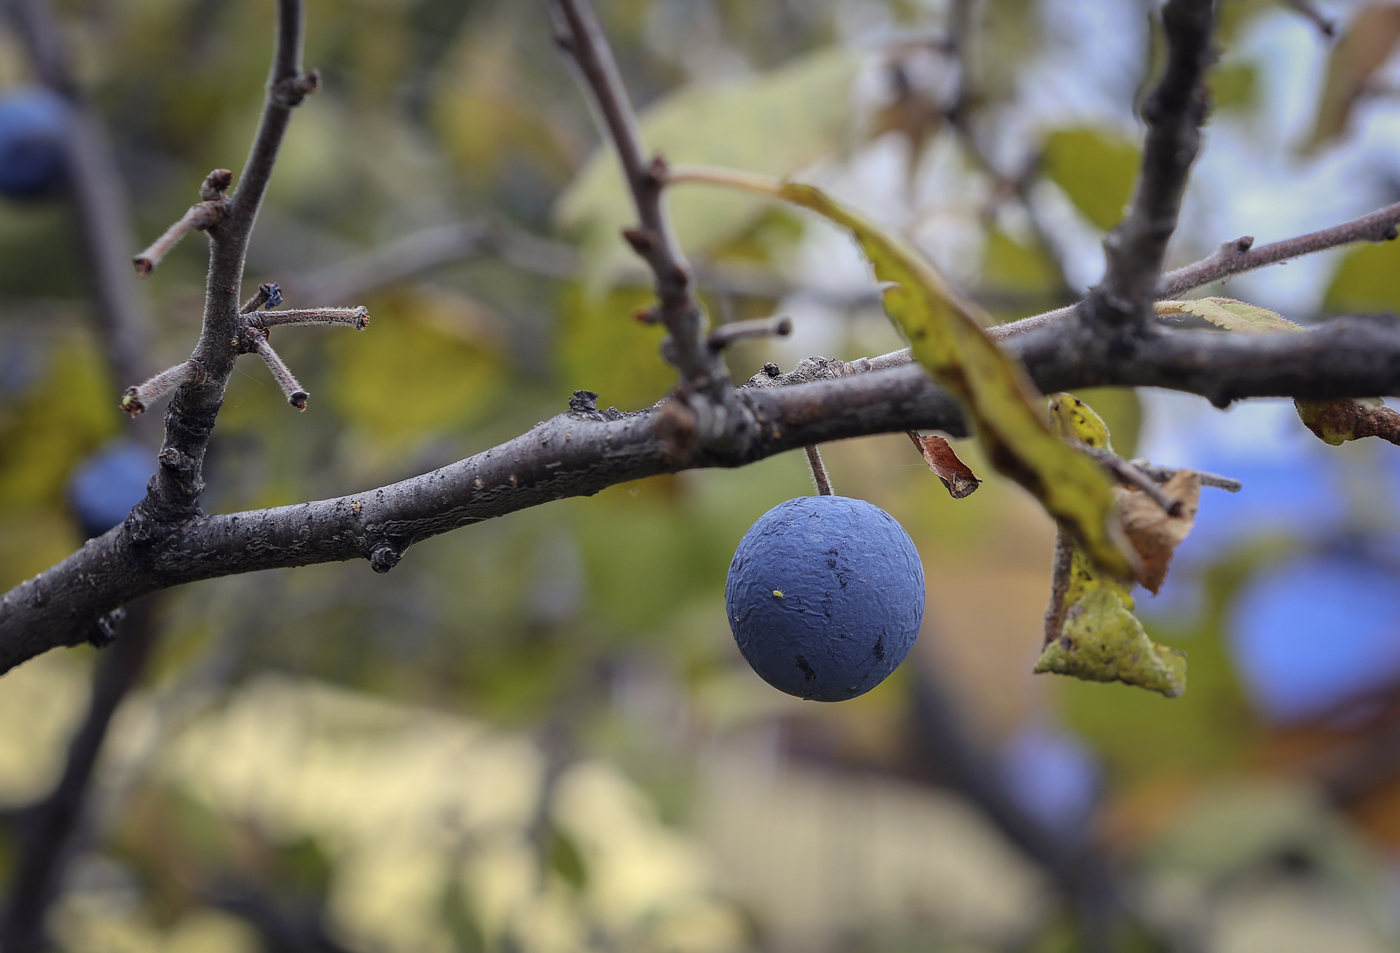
point(943, 461)
point(1333, 421)
point(1154, 533)
point(1337, 421)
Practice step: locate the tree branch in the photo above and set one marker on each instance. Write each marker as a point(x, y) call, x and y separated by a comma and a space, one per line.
point(48, 830)
point(1241, 255)
point(701, 368)
point(583, 451)
point(1174, 113)
point(189, 421)
point(99, 196)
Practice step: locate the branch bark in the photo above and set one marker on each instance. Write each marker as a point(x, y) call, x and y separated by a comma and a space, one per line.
point(189, 421)
point(583, 451)
point(1174, 113)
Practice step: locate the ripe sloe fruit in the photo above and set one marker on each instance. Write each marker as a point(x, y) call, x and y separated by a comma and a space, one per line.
point(825, 596)
point(108, 484)
point(32, 130)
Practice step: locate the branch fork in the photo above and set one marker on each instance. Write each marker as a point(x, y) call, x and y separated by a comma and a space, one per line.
point(252, 336)
point(200, 217)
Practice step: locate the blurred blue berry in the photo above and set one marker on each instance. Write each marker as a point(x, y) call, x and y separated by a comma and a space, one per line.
point(32, 131)
point(108, 484)
point(1316, 633)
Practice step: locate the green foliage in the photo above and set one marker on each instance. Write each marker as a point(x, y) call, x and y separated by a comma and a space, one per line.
point(603, 348)
point(1368, 279)
point(1096, 168)
point(775, 123)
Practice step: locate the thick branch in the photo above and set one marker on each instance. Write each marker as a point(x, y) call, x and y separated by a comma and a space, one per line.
point(584, 451)
point(1174, 112)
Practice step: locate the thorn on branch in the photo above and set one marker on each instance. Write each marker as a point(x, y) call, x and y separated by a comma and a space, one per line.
point(269, 296)
point(641, 240)
point(136, 399)
point(726, 334)
point(384, 556)
point(357, 318)
point(292, 90)
point(1163, 474)
point(104, 631)
point(200, 217)
point(296, 396)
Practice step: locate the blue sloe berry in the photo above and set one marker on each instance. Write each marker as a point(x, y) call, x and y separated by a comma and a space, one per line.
point(825, 596)
point(108, 484)
point(32, 130)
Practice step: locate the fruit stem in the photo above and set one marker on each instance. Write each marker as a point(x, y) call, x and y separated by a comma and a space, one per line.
point(819, 472)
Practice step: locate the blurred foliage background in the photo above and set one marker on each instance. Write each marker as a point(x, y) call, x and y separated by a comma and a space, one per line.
point(536, 734)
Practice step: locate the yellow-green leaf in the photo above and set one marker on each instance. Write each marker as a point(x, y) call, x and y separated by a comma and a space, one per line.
point(1096, 168)
point(1102, 642)
point(1231, 315)
point(1090, 630)
point(945, 334)
point(1333, 421)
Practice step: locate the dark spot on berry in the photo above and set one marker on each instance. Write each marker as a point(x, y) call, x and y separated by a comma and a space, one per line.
point(807, 672)
point(880, 649)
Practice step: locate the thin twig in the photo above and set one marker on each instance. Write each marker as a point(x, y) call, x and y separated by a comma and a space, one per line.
point(1163, 474)
point(1242, 254)
point(296, 395)
point(268, 295)
point(135, 400)
point(726, 334)
point(422, 251)
point(1129, 474)
point(819, 474)
point(1136, 248)
point(583, 39)
point(200, 217)
point(357, 318)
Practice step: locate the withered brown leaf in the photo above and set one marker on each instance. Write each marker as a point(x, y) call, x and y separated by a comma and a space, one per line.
point(943, 461)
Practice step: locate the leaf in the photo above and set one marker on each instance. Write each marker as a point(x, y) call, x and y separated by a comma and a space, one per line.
point(1333, 421)
point(1231, 315)
point(1096, 169)
point(943, 461)
point(1090, 631)
point(1366, 280)
point(1155, 533)
point(1362, 50)
point(1101, 641)
point(946, 337)
point(1072, 418)
point(1337, 421)
point(776, 123)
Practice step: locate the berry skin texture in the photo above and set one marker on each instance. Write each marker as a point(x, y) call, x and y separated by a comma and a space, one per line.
point(33, 124)
point(825, 596)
